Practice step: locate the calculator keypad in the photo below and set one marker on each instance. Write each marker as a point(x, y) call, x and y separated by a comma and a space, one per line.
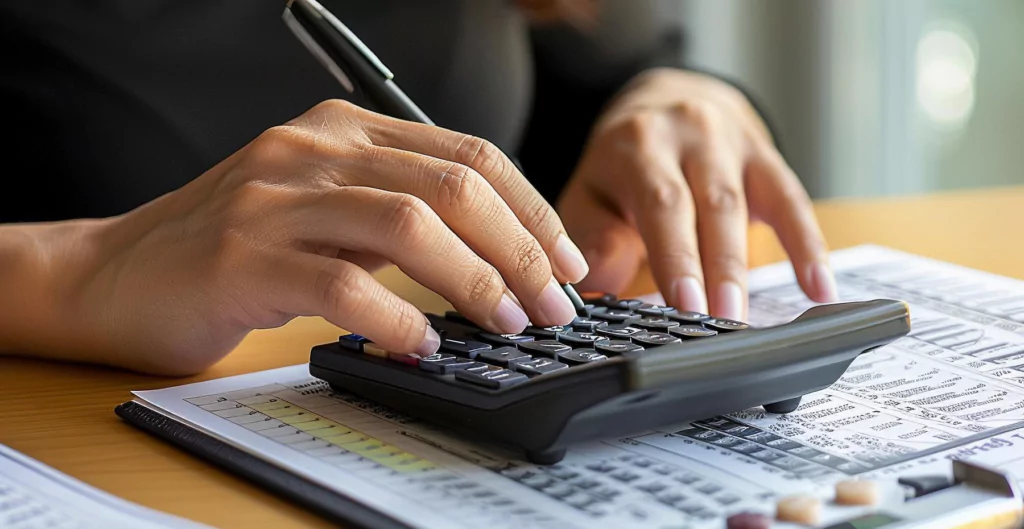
point(607, 328)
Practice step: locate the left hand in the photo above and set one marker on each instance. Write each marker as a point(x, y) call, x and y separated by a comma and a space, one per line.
point(678, 166)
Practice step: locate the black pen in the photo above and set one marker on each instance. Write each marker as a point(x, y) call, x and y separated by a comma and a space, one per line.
point(359, 71)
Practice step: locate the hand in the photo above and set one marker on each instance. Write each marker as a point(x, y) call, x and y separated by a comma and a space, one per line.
point(678, 166)
point(291, 224)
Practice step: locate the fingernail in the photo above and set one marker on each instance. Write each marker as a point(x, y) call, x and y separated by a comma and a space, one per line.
point(730, 301)
point(689, 294)
point(569, 260)
point(431, 341)
point(509, 317)
point(554, 305)
point(823, 282)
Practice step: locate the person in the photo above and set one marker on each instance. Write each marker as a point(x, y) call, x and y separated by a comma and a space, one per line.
point(180, 174)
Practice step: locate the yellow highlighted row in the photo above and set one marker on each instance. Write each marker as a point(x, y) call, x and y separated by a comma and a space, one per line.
point(342, 436)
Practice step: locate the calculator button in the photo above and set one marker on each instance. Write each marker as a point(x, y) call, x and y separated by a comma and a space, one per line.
point(687, 316)
point(626, 304)
point(617, 347)
point(581, 356)
point(547, 333)
point(586, 324)
point(604, 300)
point(545, 348)
point(614, 315)
point(617, 330)
point(445, 363)
point(373, 349)
point(653, 339)
point(656, 323)
point(538, 366)
point(352, 342)
point(491, 377)
point(581, 339)
point(653, 310)
point(689, 332)
point(585, 310)
point(724, 325)
point(434, 362)
point(407, 359)
point(503, 356)
point(500, 340)
point(465, 348)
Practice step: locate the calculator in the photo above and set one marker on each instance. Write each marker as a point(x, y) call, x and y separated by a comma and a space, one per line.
point(622, 366)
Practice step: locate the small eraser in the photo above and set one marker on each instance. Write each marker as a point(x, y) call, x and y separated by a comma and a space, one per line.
point(857, 492)
point(801, 509)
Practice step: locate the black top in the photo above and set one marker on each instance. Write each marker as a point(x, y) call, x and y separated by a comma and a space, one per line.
point(111, 103)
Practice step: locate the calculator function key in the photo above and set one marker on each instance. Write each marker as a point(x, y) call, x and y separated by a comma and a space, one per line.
point(626, 304)
point(690, 332)
point(653, 339)
point(725, 325)
point(491, 377)
point(465, 348)
point(352, 342)
point(501, 340)
point(547, 333)
point(503, 356)
point(373, 349)
point(614, 315)
point(581, 339)
point(545, 348)
point(407, 359)
point(688, 316)
point(648, 309)
point(581, 323)
point(539, 366)
point(655, 323)
point(581, 356)
point(617, 347)
point(445, 363)
point(617, 331)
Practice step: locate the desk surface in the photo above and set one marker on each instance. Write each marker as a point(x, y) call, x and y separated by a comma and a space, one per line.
point(63, 414)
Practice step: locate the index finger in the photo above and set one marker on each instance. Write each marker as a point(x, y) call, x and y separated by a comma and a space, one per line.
point(536, 215)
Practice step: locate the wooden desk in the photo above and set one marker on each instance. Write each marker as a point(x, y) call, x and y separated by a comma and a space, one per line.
point(63, 414)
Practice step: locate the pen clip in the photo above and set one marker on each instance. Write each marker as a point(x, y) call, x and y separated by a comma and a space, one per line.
point(311, 44)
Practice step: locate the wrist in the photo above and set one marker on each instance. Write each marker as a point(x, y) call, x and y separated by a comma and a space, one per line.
point(42, 270)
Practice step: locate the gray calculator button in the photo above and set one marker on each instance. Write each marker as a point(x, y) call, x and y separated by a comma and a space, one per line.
point(490, 376)
point(618, 331)
point(653, 339)
point(538, 366)
point(690, 332)
point(503, 356)
point(687, 316)
point(655, 323)
point(581, 339)
point(581, 356)
point(724, 325)
point(544, 348)
point(617, 347)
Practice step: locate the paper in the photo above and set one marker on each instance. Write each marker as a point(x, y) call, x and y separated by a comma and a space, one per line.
point(951, 389)
point(33, 495)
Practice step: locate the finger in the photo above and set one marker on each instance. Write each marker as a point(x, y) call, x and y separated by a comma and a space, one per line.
point(487, 160)
point(348, 296)
point(716, 181)
point(663, 209)
point(408, 233)
point(479, 216)
point(777, 197)
point(611, 245)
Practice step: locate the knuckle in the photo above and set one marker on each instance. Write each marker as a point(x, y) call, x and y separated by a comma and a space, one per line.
point(459, 189)
point(483, 285)
point(528, 260)
point(638, 130)
point(703, 116)
point(278, 144)
point(407, 220)
point(666, 194)
point(483, 156)
point(680, 258)
point(538, 214)
point(336, 106)
point(344, 291)
point(722, 197)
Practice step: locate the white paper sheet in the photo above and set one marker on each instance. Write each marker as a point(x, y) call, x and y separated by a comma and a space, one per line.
point(33, 496)
point(951, 389)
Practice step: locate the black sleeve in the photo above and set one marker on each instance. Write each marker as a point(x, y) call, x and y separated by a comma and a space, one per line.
point(577, 73)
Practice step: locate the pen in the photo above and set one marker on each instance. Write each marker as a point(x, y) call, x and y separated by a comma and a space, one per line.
point(360, 72)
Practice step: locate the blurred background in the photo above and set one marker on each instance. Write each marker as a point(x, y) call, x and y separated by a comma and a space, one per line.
point(875, 97)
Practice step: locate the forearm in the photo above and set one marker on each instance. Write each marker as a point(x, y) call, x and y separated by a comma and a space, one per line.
point(41, 268)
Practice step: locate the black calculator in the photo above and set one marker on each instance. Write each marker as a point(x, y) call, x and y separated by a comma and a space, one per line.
point(621, 367)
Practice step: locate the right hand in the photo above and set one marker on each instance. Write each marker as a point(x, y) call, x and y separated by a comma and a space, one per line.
point(292, 223)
